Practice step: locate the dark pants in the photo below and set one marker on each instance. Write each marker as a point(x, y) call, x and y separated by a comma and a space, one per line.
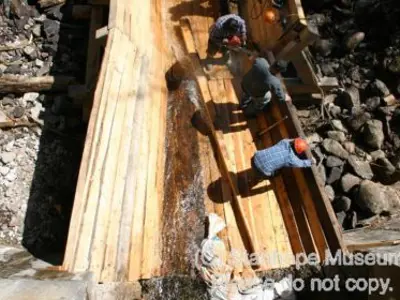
point(258, 175)
point(253, 106)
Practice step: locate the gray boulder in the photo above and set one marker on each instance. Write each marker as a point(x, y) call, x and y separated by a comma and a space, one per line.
point(349, 147)
point(349, 181)
point(334, 175)
point(335, 148)
point(361, 168)
point(379, 88)
point(377, 154)
point(383, 169)
point(373, 134)
point(350, 98)
point(337, 135)
point(372, 103)
point(333, 161)
point(372, 198)
point(342, 203)
point(358, 120)
point(338, 125)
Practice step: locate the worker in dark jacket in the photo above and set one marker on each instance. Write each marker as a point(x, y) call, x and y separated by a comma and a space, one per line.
point(227, 28)
point(286, 153)
point(257, 85)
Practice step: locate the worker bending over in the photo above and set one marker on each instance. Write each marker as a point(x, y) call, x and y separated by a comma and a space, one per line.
point(227, 30)
point(257, 85)
point(286, 153)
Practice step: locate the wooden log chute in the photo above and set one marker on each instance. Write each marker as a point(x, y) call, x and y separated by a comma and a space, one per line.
point(116, 225)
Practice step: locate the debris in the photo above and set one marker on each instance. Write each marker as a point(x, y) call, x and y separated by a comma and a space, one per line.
point(30, 51)
point(16, 45)
point(49, 3)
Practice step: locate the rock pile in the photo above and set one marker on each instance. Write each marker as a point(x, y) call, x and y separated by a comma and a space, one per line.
point(358, 153)
point(358, 143)
point(38, 165)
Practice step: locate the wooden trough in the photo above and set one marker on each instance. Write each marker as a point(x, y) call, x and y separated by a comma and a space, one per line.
point(118, 225)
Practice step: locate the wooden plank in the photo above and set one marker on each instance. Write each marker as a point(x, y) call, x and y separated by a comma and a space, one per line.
point(141, 175)
point(122, 132)
point(92, 137)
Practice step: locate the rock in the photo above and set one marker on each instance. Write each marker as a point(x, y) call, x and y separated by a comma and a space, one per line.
point(314, 138)
point(341, 216)
point(13, 69)
point(352, 41)
point(377, 154)
point(39, 63)
point(322, 172)
point(41, 18)
point(379, 88)
point(372, 103)
point(30, 51)
point(349, 147)
point(7, 157)
point(342, 203)
point(324, 47)
point(335, 148)
point(337, 136)
point(350, 98)
point(361, 168)
point(330, 192)
point(18, 112)
point(4, 170)
point(358, 120)
point(327, 69)
point(11, 176)
point(51, 48)
point(371, 198)
point(349, 181)
point(37, 30)
point(334, 110)
point(338, 125)
point(333, 161)
point(303, 113)
point(393, 197)
point(373, 134)
point(36, 110)
point(383, 169)
point(334, 175)
point(394, 65)
point(51, 28)
point(44, 70)
point(55, 12)
point(351, 220)
point(30, 97)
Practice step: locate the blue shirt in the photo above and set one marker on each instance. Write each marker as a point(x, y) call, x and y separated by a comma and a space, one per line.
point(278, 156)
point(259, 80)
point(217, 32)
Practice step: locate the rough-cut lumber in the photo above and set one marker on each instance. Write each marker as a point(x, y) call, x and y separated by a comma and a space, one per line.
point(23, 84)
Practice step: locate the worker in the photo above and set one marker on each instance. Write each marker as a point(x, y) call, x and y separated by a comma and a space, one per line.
point(286, 153)
point(257, 85)
point(227, 30)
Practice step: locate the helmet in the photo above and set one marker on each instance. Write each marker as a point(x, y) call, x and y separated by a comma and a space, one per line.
point(270, 16)
point(300, 145)
point(235, 41)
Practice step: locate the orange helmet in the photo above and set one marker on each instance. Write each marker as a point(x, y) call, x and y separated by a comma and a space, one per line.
point(271, 15)
point(300, 145)
point(235, 41)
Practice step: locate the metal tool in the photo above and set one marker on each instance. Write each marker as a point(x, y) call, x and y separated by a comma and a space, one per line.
point(264, 131)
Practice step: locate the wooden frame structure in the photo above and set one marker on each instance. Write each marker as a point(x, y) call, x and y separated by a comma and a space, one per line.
point(289, 43)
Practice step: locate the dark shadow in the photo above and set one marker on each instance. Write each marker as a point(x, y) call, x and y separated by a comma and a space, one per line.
point(206, 8)
point(246, 182)
point(46, 225)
